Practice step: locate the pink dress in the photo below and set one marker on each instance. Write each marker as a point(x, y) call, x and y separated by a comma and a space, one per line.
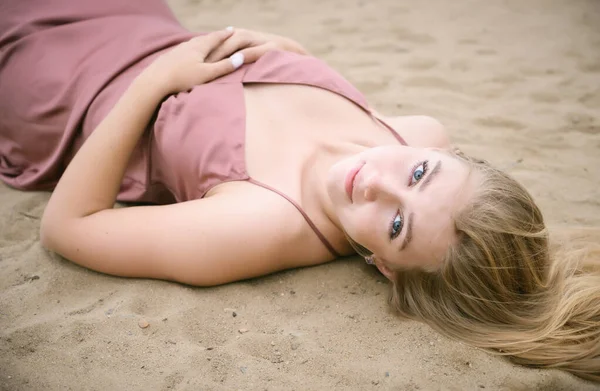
point(65, 63)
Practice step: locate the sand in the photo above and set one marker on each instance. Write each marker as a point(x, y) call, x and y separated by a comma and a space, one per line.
point(516, 82)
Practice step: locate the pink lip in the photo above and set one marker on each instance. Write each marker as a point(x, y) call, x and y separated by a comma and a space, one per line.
point(350, 177)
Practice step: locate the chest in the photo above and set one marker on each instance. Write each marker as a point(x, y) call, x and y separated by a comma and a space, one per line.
point(289, 128)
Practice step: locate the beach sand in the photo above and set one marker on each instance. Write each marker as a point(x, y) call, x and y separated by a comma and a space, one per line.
point(516, 82)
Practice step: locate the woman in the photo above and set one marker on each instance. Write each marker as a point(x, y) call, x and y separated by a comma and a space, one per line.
point(251, 160)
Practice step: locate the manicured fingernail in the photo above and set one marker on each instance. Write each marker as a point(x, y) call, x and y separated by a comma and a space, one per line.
point(237, 59)
point(229, 28)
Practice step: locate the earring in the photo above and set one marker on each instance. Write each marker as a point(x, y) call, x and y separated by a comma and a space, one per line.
point(370, 260)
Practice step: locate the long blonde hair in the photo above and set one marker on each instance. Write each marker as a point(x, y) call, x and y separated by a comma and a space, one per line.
point(502, 288)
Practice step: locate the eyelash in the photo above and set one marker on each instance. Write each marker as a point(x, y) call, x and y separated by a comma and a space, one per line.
point(391, 230)
point(398, 214)
point(425, 164)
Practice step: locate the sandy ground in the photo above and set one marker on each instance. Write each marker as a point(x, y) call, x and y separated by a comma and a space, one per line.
point(516, 82)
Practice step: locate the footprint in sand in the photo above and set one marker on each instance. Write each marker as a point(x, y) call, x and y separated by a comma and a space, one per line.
point(591, 99)
point(172, 380)
point(582, 123)
point(344, 30)
point(24, 341)
point(379, 47)
point(460, 65)
point(544, 97)
point(332, 21)
point(371, 87)
point(467, 41)
point(508, 78)
point(421, 64)
point(403, 34)
point(589, 67)
point(486, 52)
point(432, 82)
point(498, 122)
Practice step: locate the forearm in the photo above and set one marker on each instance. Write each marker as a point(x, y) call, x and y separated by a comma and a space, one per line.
point(92, 180)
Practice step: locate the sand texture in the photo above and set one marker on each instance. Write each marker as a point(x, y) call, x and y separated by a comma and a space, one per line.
point(516, 82)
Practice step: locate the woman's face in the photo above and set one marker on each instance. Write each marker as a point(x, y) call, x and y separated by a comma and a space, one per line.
point(399, 203)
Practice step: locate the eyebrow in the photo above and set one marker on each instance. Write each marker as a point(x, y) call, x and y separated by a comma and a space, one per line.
point(409, 232)
point(431, 175)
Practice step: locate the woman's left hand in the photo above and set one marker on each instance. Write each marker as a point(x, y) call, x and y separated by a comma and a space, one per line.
point(248, 46)
point(185, 66)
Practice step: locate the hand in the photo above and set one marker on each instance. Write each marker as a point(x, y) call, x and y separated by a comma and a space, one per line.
point(185, 66)
point(253, 45)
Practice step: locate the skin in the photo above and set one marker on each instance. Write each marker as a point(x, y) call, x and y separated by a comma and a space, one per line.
point(219, 239)
point(393, 183)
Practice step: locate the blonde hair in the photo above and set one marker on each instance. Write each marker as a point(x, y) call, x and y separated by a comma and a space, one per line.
point(501, 288)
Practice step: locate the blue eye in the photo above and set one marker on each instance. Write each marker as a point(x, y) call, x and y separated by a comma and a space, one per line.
point(396, 226)
point(418, 173)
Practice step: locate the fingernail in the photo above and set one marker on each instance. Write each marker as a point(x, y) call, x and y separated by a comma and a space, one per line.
point(237, 59)
point(229, 28)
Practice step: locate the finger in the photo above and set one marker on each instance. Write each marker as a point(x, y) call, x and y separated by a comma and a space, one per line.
point(207, 43)
point(239, 40)
point(254, 53)
point(237, 60)
point(221, 68)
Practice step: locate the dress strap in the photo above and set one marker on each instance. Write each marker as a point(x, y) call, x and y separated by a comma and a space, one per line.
point(398, 137)
point(303, 213)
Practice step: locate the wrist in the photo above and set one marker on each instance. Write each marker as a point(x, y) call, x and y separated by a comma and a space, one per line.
point(152, 83)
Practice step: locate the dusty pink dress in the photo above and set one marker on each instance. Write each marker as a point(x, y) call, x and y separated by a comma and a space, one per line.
point(65, 63)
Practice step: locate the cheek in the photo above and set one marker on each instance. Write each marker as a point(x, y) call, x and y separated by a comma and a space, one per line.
point(364, 226)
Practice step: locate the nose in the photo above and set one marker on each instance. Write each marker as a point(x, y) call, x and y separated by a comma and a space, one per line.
point(377, 187)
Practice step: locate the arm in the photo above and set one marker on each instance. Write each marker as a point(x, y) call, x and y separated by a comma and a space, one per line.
point(204, 242)
point(92, 179)
point(91, 182)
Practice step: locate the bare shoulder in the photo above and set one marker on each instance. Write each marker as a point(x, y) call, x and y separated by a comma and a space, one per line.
point(241, 232)
point(420, 130)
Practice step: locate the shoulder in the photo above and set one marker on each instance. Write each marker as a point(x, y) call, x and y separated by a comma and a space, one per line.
point(420, 131)
point(275, 221)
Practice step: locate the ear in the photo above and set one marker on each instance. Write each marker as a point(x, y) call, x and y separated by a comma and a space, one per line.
point(386, 271)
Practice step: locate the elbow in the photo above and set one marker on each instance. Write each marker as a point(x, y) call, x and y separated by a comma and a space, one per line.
point(48, 232)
